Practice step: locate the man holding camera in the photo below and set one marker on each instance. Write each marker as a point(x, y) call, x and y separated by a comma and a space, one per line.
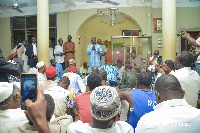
point(196, 43)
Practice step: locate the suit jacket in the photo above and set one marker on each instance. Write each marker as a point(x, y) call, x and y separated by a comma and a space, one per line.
point(31, 60)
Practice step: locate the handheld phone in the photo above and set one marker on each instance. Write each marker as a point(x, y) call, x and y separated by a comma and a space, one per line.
point(28, 88)
point(19, 45)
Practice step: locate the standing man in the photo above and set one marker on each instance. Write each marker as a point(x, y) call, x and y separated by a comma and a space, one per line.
point(104, 51)
point(69, 49)
point(94, 51)
point(24, 57)
point(31, 52)
point(59, 54)
point(51, 55)
point(195, 43)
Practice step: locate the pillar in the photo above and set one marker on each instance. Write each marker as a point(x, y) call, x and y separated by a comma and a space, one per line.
point(43, 31)
point(169, 29)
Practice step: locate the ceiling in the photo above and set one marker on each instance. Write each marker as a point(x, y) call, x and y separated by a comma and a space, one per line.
point(66, 5)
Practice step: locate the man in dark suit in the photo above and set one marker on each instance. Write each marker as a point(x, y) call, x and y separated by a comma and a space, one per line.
point(31, 52)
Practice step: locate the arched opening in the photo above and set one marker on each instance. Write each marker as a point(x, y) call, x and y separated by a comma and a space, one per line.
point(99, 26)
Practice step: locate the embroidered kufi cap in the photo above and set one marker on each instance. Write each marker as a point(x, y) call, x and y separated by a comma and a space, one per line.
point(105, 103)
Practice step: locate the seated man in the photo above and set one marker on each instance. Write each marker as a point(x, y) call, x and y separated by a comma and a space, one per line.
point(170, 64)
point(58, 67)
point(10, 115)
point(128, 78)
point(112, 74)
point(189, 79)
point(85, 70)
point(76, 82)
point(72, 62)
point(103, 75)
point(154, 59)
point(105, 106)
point(101, 123)
point(62, 97)
point(51, 75)
point(83, 99)
point(141, 100)
point(128, 81)
point(41, 78)
point(172, 114)
point(59, 124)
point(121, 70)
point(137, 62)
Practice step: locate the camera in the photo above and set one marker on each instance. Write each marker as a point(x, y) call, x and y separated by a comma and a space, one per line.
point(181, 33)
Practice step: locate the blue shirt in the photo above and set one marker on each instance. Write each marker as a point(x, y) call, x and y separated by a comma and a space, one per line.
point(143, 103)
point(59, 70)
point(112, 73)
point(94, 56)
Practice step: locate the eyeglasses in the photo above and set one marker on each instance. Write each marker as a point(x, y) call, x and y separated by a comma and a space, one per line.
point(155, 54)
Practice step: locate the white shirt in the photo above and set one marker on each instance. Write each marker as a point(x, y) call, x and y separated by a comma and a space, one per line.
point(171, 116)
point(104, 49)
point(190, 83)
point(41, 78)
point(34, 48)
point(25, 58)
point(51, 53)
point(76, 82)
point(118, 127)
point(59, 95)
point(198, 49)
point(59, 49)
point(57, 125)
point(11, 118)
point(121, 71)
point(155, 61)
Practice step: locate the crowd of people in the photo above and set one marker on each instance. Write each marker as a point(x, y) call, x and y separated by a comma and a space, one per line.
point(144, 95)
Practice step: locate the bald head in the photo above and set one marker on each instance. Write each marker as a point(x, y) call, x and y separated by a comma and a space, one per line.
point(95, 69)
point(168, 87)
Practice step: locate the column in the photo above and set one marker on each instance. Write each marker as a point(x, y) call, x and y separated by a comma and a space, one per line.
point(169, 29)
point(43, 31)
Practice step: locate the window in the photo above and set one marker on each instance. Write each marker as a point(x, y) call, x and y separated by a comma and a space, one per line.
point(24, 28)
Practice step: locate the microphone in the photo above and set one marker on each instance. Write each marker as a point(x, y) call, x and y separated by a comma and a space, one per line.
point(93, 46)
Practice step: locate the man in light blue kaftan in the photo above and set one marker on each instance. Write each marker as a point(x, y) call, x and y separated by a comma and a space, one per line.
point(94, 51)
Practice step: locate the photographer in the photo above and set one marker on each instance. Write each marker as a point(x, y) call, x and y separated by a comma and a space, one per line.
point(196, 43)
point(9, 68)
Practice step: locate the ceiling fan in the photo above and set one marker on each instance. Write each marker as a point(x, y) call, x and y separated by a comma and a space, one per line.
point(15, 6)
point(112, 22)
point(104, 1)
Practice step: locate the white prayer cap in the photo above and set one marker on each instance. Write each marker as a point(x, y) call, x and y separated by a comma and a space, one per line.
point(6, 90)
point(39, 64)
